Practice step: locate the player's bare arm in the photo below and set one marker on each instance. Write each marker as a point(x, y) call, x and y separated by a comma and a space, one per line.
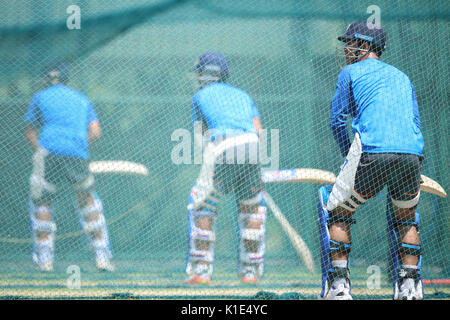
point(94, 132)
point(32, 136)
point(257, 124)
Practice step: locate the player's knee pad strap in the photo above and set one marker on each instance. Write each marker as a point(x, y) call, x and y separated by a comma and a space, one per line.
point(340, 247)
point(39, 224)
point(96, 207)
point(202, 234)
point(252, 234)
point(201, 255)
point(398, 223)
point(410, 249)
point(94, 225)
point(44, 244)
point(336, 218)
point(252, 258)
point(246, 217)
point(43, 226)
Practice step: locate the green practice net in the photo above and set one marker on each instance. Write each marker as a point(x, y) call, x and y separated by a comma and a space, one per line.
point(132, 60)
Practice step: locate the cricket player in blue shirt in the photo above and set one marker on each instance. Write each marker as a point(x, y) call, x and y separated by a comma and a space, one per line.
point(230, 123)
point(68, 124)
point(386, 151)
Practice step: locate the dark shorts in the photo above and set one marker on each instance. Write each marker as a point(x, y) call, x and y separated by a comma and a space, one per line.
point(239, 171)
point(399, 172)
point(50, 171)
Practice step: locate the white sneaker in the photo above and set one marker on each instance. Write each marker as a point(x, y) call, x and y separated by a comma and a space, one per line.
point(249, 274)
point(201, 275)
point(103, 262)
point(43, 261)
point(45, 266)
point(338, 286)
point(408, 286)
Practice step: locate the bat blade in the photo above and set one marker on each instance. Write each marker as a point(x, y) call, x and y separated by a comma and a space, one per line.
point(298, 175)
point(121, 167)
point(431, 186)
point(327, 177)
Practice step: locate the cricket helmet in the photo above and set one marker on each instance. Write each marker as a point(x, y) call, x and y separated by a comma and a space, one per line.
point(211, 67)
point(363, 31)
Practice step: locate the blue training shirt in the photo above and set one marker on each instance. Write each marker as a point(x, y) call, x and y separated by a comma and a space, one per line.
point(64, 115)
point(226, 110)
point(381, 100)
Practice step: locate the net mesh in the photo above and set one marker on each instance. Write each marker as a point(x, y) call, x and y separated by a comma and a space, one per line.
point(132, 60)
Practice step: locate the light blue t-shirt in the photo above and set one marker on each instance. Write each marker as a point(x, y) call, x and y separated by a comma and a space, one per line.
point(63, 115)
point(226, 110)
point(381, 100)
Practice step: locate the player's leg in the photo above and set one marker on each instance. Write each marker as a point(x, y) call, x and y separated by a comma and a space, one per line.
point(361, 177)
point(204, 198)
point(43, 231)
point(91, 213)
point(93, 222)
point(403, 226)
point(201, 238)
point(40, 210)
point(251, 221)
point(241, 172)
point(335, 246)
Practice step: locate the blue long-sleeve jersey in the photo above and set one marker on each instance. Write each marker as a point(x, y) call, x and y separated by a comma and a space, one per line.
point(382, 103)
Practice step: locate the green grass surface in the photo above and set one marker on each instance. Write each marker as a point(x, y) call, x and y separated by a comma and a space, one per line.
point(151, 279)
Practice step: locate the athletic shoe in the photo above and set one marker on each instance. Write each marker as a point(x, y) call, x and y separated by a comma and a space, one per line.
point(198, 279)
point(249, 275)
point(201, 275)
point(103, 262)
point(45, 266)
point(409, 285)
point(43, 260)
point(338, 285)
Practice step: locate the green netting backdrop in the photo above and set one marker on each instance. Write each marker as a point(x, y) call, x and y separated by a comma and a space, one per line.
point(132, 58)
